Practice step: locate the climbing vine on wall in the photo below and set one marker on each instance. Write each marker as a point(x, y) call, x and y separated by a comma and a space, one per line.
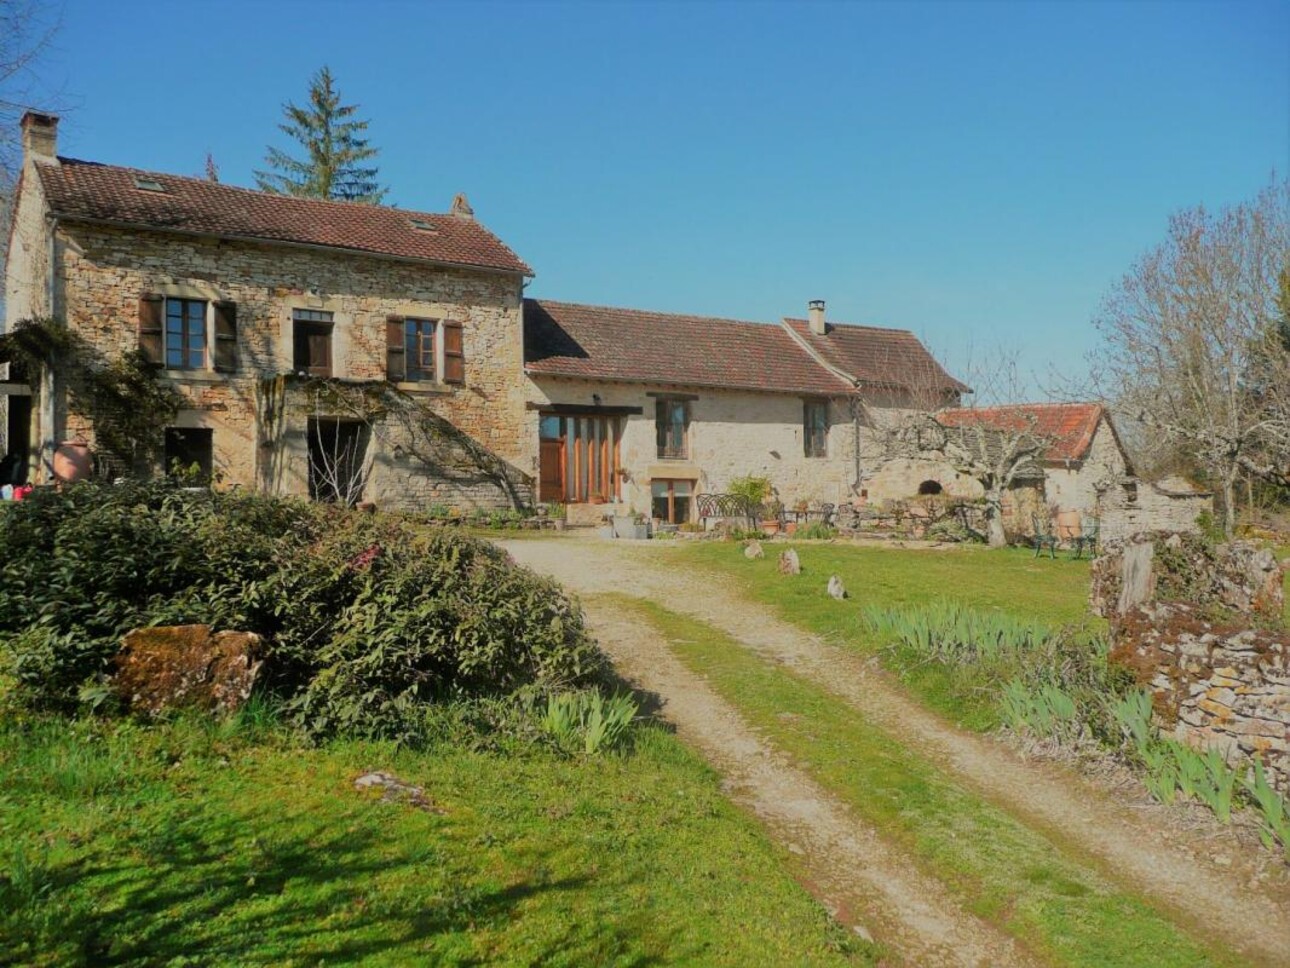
point(408, 427)
point(121, 396)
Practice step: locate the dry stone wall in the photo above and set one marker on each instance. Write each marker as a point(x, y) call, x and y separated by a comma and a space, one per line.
point(1201, 628)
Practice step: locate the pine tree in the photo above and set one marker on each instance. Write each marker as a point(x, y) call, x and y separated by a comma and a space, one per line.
point(334, 143)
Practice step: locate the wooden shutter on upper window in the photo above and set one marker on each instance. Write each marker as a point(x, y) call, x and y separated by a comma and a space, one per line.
point(226, 337)
point(454, 357)
point(396, 354)
point(152, 321)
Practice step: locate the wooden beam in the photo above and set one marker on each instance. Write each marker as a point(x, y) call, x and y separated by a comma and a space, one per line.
point(672, 396)
point(584, 410)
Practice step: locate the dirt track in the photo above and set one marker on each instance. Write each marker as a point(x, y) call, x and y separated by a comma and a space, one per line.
point(854, 870)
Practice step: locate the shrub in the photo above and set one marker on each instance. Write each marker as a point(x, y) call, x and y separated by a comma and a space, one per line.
point(365, 617)
point(754, 489)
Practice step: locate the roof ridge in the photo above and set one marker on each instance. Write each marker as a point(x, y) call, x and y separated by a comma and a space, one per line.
point(257, 192)
point(878, 329)
point(649, 312)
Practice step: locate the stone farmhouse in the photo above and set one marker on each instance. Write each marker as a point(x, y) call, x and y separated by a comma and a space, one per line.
point(340, 350)
point(1084, 471)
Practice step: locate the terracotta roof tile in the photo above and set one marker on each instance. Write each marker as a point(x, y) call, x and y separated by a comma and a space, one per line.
point(1070, 426)
point(633, 346)
point(872, 354)
point(86, 190)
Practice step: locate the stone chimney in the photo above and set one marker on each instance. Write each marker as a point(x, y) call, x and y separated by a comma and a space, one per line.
point(460, 207)
point(39, 136)
point(815, 310)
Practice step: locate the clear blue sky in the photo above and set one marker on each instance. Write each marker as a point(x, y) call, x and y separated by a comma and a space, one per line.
point(978, 173)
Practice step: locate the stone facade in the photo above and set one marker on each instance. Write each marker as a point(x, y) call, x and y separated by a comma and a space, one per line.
point(731, 434)
point(101, 272)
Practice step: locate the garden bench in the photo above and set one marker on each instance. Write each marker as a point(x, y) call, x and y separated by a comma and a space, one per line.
point(721, 507)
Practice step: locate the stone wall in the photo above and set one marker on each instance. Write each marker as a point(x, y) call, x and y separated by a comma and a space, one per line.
point(103, 271)
point(1213, 685)
point(1128, 507)
point(1201, 628)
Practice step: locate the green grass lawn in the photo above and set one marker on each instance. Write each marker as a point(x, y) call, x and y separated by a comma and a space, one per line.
point(1009, 580)
point(194, 843)
point(1050, 898)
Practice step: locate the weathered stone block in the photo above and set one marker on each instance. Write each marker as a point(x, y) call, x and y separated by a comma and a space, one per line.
point(186, 666)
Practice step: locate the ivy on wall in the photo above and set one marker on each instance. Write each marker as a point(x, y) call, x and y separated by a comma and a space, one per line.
point(120, 396)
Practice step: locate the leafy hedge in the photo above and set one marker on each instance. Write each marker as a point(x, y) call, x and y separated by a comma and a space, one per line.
point(366, 617)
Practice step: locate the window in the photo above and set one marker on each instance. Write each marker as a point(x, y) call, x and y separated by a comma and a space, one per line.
point(670, 501)
point(311, 342)
point(672, 421)
point(815, 427)
point(185, 334)
point(418, 348)
point(188, 453)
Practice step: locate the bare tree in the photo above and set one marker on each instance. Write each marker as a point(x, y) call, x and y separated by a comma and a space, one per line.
point(27, 28)
point(1194, 343)
point(997, 446)
point(338, 456)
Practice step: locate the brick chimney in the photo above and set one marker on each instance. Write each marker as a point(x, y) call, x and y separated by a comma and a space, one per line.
point(39, 136)
point(815, 310)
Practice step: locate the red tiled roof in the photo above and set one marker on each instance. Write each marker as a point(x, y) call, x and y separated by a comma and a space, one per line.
point(632, 346)
point(86, 190)
point(871, 354)
point(1069, 426)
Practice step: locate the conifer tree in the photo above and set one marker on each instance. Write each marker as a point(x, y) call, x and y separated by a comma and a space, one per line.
point(334, 147)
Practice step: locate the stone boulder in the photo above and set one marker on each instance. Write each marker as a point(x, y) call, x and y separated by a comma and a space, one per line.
point(789, 564)
point(754, 550)
point(836, 588)
point(189, 666)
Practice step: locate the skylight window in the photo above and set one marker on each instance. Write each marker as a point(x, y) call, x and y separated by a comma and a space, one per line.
point(422, 225)
point(148, 184)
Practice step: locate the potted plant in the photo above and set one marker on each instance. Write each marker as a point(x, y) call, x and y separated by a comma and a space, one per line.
point(772, 514)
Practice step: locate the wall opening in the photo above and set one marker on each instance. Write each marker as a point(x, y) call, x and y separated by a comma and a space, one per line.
point(337, 460)
point(190, 453)
point(930, 487)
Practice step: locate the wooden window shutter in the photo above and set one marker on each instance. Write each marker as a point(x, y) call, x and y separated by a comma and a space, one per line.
point(152, 313)
point(396, 355)
point(225, 337)
point(454, 357)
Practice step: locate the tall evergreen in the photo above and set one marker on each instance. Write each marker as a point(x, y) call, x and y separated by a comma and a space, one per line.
point(334, 147)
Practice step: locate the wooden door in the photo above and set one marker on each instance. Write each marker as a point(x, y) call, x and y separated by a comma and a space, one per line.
point(551, 479)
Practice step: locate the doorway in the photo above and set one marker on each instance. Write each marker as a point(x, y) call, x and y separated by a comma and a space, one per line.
point(337, 460)
point(579, 459)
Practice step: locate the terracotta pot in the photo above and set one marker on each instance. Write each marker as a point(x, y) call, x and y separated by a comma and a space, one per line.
point(72, 461)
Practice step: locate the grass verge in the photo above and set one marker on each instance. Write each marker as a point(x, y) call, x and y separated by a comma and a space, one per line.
point(192, 842)
point(1011, 581)
point(1002, 870)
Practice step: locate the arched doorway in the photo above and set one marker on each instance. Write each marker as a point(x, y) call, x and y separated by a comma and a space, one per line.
point(930, 487)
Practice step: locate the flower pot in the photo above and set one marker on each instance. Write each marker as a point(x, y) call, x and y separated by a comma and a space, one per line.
point(72, 461)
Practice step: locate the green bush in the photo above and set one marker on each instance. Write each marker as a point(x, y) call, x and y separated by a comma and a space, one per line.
point(755, 489)
point(365, 617)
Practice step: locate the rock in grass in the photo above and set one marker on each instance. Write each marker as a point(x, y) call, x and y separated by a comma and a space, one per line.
point(754, 550)
point(394, 790)
point(168, 667)
point(836, 588)
point(789, 563)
